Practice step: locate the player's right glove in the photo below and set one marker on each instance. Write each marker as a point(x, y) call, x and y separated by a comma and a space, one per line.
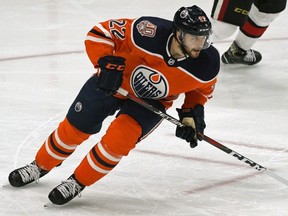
point(195, 124)
point(110, 77)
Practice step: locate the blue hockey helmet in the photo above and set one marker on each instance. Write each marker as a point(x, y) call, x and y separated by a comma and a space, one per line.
point(192, 20)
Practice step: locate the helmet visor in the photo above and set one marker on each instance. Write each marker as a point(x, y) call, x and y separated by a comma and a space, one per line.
point(196, 42)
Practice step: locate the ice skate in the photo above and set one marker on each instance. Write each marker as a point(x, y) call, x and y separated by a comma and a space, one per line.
point(236, 55)
point(66, 191)
point(25, 175)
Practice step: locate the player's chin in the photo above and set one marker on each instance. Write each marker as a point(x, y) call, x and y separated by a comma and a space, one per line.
point(194, 53)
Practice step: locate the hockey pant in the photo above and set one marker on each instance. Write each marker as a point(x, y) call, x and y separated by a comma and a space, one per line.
point(84, 118)
point(253, 18)
point(236, 12)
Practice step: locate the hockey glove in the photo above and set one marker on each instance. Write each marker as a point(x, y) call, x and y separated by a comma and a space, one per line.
point(111, 73)
point(199, 121)
point(194, 119)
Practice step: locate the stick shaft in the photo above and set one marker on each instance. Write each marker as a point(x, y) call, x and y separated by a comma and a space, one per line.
point(209, 140)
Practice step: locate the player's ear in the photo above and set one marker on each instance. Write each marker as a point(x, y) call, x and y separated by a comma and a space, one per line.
point(179, 36)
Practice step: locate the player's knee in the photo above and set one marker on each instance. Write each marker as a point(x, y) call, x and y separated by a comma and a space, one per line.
point(222, 30)
point(68, 134)
point(122, 135)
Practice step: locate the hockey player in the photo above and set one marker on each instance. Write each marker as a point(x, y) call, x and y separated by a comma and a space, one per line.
point(152, 58)
point(252, 17)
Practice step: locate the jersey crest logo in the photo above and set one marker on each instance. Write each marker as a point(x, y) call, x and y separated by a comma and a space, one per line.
point(171, 61)
point(148, 83)
point(78, 106)
point(146, 28)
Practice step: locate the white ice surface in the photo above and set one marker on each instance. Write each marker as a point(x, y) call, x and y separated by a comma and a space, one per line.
point(42, 67)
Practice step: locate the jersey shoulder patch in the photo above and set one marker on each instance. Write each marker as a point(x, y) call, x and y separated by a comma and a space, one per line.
point(151, 34)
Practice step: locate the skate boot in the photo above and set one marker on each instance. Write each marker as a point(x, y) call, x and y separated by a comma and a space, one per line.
point(25, 175)
point(236, 55)
point(66, 191)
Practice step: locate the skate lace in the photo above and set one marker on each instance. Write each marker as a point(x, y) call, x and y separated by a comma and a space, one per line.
point(69, 187)
point(30, 172)
point(250, 56)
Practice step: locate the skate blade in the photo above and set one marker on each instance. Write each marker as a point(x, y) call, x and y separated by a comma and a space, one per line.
point(48, 205)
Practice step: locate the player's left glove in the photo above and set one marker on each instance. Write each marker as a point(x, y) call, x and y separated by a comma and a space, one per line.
point(111, 73)
point(194, 119)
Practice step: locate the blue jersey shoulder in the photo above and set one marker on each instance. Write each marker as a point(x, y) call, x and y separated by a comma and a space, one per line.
point(154, 35)
point(206, 67)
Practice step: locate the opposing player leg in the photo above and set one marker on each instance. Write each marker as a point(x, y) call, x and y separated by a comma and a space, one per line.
point(227, 16)
point(261, 15)
point(222, 30)
point(132, 124)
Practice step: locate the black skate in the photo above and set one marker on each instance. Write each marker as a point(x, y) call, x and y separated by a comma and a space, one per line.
point(236, 55)
point(66, 191)
point(25, 175)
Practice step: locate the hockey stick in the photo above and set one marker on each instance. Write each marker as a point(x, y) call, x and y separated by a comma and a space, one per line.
point(218, 145)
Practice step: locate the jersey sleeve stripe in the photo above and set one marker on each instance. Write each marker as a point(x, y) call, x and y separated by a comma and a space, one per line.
point(95, 32)
point(106, 32)
point(100, 40)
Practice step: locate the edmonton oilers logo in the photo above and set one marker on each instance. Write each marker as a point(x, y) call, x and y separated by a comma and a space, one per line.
point(148, 83)
point(78, 107)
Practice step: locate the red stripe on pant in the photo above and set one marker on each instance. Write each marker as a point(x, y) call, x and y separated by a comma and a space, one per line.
point(252, 30)
point(223, 10)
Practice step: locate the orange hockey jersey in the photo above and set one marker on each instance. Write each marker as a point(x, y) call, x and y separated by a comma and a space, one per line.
point(151, 71)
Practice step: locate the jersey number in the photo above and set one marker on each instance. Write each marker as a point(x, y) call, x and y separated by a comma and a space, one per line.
point(120, 31)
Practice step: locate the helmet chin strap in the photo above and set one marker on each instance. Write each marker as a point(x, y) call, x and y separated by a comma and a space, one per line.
point(182, 47)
